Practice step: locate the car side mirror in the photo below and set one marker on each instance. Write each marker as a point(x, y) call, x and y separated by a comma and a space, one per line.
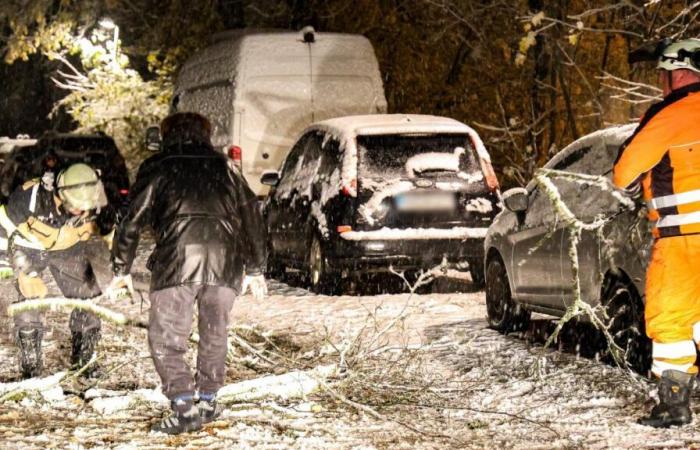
point(516, 199)
point(153, 139)
point(270, 178)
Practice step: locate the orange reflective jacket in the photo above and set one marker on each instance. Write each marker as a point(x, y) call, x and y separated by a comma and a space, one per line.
point(665, 153)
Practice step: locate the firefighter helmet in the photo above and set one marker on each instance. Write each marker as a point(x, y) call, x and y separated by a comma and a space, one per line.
point(80, 188)
point(683, 54)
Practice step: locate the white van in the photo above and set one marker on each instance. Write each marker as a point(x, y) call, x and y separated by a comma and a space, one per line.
point(261, 89)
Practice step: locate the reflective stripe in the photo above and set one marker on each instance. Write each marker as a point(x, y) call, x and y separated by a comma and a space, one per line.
point(674, 199)
point(674, 350)
point(32, 200)
point(678, 220)
point(5, 221)
point(696, 332)
point(22, 242)
point(11, 229)
point(658, 367)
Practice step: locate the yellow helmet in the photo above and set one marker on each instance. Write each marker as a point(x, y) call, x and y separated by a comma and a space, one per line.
point(79, 187)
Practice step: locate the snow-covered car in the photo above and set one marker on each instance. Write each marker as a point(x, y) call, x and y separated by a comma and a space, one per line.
point(261, 88)
point(528, 264)
point(366, 193)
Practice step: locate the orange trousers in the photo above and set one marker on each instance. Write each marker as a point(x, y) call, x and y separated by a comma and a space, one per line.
point(672, 311)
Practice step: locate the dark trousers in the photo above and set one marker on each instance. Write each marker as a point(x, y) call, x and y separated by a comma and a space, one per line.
point(170, 322)
point(74, 277)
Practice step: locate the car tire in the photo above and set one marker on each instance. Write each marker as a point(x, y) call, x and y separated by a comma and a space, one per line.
point(318, 278)
point(504, 314)
point(476, 270)
point(626, 325)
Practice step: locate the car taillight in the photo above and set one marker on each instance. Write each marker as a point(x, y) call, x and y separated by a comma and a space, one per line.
point(236, 154)
point(489, 175)
point(343, 228)
point(350, 190)
point(124, 191)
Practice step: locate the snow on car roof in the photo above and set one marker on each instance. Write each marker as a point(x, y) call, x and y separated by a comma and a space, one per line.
point(373, 124)
point(614, 135)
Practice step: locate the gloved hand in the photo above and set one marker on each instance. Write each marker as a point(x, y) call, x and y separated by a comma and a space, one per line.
point(120, 286)
point(256, 284)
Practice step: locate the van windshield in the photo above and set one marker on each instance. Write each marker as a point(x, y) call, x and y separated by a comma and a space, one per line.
point(416, 155)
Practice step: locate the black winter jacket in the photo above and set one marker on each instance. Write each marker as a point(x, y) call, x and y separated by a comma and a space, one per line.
point(208, 227)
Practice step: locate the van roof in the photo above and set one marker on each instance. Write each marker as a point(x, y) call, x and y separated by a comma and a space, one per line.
point(269, 52)
point(372, 124)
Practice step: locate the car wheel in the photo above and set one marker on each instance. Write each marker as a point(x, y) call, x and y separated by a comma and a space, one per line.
point(476, 270)
point(626, 325)
point(504, 314)
point(319, 280)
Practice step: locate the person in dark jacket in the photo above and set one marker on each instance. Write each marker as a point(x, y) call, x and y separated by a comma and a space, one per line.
point(209, 233)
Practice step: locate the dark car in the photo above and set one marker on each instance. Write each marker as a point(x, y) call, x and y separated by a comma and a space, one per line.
point(527, 263)
point(366, 193)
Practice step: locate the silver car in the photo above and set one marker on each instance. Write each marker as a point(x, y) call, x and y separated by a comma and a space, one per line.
point(527, 263)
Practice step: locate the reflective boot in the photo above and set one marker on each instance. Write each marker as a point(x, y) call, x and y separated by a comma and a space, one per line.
point(29, 343)
point(675, 388)
point(208, 409)
point(185, 418)
point(83, 348)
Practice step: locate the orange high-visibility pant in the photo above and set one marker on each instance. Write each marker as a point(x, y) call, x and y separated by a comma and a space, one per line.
point(672, 310)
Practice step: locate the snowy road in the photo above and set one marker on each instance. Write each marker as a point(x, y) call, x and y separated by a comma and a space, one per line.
point(419, 371)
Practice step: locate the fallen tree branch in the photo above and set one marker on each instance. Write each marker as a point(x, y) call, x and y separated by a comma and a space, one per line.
point(62, 303)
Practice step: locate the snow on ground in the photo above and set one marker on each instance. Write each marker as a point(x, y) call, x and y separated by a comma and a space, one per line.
point(414, 371)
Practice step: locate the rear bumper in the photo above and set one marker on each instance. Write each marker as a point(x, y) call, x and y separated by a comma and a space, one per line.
point(368, 251)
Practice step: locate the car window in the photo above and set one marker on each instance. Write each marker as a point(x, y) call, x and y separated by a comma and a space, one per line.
point(291, 163)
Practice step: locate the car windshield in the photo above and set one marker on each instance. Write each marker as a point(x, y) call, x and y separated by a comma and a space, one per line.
point(416, 155)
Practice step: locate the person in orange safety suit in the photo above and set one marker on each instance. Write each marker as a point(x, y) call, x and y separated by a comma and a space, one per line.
point(663, 156)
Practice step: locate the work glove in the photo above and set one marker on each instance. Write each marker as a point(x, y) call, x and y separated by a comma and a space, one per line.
point(120, 286)
point(256, 284)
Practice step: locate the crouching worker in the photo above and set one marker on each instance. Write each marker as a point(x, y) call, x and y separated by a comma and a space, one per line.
point(48, 227)
point(663, 155)
point(208, 232)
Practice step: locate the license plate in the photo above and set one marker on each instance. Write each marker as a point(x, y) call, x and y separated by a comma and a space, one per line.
point(426, 202)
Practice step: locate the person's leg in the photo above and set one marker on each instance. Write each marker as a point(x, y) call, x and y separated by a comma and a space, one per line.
point(75, 279)
point(215, 304)
point(670, 318)
point(170, 322)
point(28, 325)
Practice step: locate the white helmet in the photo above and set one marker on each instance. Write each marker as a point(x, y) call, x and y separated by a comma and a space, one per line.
point(683, 54)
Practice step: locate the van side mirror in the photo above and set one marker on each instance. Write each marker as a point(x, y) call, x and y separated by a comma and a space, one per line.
point(270, 178)
point(516, 199)
point(153, 140)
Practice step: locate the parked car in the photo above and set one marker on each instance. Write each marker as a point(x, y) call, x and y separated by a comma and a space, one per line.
point(363, 193)
point(7, 145)
point(260, 89)
point(527, 263)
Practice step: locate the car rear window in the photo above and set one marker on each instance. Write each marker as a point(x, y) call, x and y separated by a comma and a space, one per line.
point(413, 155)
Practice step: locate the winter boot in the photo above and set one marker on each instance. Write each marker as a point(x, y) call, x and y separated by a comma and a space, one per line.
point(675, 388)
point(185, 418)
point(29, 343)
point(83, 348)
point(208, 408)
